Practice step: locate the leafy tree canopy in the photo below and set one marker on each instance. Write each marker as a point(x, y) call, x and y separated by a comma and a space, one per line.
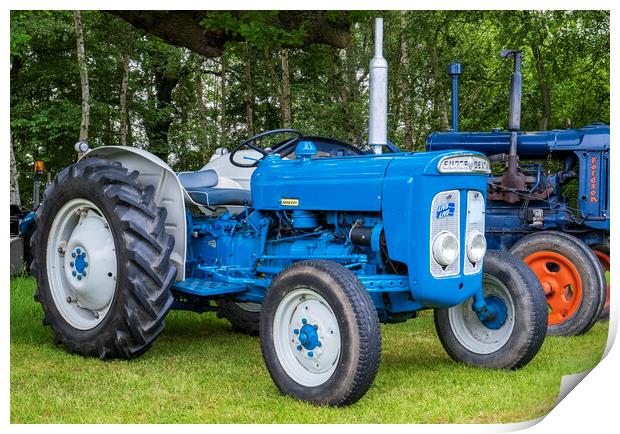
point(198, 80)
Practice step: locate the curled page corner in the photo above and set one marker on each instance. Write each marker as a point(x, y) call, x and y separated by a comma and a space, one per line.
point(569, 382)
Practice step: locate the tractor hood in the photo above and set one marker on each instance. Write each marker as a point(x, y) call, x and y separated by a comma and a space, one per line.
point(408, 190)
point(354, 183)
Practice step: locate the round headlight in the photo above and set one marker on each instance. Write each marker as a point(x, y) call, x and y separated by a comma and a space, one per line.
point(476, 247)
point(445, 248)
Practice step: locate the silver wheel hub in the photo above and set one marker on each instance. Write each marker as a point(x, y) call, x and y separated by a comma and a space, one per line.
point(471, 332)
point(81, 264)
point(307, 337)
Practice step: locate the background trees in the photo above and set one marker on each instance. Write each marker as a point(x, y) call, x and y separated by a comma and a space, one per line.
point(254, 71)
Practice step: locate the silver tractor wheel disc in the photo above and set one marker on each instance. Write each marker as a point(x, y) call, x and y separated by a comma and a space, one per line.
point(306, 337)
point(474, 334)
point(81, 264)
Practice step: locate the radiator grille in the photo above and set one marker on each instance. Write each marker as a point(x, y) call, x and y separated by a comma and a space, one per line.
point(474, 222)
point(445, 216)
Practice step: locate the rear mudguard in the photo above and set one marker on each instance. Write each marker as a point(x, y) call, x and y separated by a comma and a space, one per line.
point(169, 193)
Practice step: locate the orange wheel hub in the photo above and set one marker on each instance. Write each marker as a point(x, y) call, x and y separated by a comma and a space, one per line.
point(603, 258)
point(560, 281)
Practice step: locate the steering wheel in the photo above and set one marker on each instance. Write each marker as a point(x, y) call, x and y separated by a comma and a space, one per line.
point(249, 143)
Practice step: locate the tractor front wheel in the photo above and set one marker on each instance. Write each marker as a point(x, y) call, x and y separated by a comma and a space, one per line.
point(102, 261)
point(319, 334)
point(514, 334)
point(571, 278)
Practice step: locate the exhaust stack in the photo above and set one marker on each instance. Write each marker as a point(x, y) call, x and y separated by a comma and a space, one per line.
point(377, 109)
point(513, 181)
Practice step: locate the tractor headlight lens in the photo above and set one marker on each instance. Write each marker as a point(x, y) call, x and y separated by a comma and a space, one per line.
point(476, 247)
point(445, 248)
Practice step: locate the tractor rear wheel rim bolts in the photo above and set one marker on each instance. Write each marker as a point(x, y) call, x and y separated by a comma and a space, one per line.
point(307, 337)
point(487, 336)
point(81, 264)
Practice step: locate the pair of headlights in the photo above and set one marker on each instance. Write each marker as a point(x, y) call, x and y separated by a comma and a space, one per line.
point(446, 247)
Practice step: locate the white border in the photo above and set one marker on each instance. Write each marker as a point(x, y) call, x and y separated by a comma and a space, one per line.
point(591, 407)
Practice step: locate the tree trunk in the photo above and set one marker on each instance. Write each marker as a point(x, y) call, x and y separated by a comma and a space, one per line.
point(277, 85)
point(79, 33)
point(15, 198)
point(157, 128)
point(438, 79)
point(545, 92)
point(249, 91)
point(164, 81)
point(224, 95)
point(440, 97)
point(286, 103)
point(405, 86)
point(123, 99)
point(207, 144)
point(353, 93)
point(340, 92)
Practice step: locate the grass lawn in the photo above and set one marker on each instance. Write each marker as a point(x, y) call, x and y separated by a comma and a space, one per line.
point(199, 372)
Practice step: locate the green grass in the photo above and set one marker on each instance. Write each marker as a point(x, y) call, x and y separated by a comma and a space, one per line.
point(198, 371)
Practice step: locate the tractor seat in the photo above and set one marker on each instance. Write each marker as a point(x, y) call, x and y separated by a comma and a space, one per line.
point(200, 186)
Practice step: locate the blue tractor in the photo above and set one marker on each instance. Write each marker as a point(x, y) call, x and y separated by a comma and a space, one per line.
point(530, 214)
point(320, 249)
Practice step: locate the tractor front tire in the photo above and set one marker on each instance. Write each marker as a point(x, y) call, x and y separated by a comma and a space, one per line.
point(513, 338)
point(571, 277)
point(319, 334)
point(102, 261)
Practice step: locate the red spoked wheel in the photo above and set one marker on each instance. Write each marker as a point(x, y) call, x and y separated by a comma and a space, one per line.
point(560, 281)
point(603, 256)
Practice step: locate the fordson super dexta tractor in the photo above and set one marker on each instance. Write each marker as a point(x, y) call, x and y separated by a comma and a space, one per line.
point(324, 244)
point(530, 214)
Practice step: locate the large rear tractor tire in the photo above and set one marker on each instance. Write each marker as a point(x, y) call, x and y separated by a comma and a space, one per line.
point(102, 261)
point(510, 338)
point(319, 333)
point(571, 277)
point(602, 253)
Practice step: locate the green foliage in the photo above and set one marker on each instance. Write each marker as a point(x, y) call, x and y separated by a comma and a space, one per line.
point(19, 41)
point(256, 27)
point(171, 116)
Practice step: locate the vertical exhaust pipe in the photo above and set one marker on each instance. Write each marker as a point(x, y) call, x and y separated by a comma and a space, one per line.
point(377, 109)
point(513, 181)
point(516, 80)
point(454, 70)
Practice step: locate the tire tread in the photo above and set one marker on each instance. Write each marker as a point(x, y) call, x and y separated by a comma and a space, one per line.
point(150, 273)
